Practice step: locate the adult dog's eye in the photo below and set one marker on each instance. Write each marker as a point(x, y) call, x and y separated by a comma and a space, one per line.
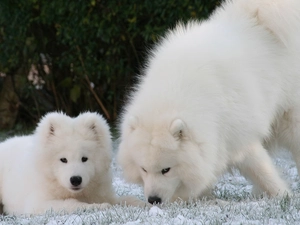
point(84, 159)
point(64, 160)
point(163, 171)
point(144, 170)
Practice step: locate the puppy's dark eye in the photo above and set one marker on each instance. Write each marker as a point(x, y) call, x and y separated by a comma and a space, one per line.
point(144, 170)
point(84, 159)
point(163, 171)
point(64, 160)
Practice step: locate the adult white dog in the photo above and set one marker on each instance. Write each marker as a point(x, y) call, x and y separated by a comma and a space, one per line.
point(63, 166)
point(216, 94)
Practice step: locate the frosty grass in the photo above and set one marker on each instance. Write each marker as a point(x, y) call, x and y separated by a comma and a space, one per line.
point(236, 206)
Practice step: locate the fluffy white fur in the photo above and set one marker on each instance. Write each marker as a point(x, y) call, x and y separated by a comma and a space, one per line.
point(35, 179)
point(216, 94)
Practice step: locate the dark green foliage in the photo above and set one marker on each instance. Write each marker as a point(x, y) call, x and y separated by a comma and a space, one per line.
point(98, 41)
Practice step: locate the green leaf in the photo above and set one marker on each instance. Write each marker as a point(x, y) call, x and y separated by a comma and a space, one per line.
point(75, 93)
point(66, 82)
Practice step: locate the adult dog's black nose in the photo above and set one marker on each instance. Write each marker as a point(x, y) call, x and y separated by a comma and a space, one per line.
point(76, 180)
point(154, 200)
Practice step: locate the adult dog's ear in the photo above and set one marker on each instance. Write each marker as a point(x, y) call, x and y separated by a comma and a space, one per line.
point(178, 129)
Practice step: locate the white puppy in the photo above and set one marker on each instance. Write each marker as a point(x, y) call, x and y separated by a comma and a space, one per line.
point(63, 166)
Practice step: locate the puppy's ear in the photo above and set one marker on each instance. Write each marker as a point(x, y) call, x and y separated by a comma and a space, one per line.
point(51, 122)
point(51, 130)
point(52, 125)
point(177, 129)
point(93, 126)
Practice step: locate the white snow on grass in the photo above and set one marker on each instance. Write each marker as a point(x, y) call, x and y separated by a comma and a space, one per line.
point(155, 211)
point(234, 205)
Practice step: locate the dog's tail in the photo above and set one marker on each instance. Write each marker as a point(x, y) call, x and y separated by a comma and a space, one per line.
point(281, 17)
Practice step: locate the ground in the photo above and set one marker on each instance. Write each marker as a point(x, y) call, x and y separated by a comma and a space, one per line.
point(233, 189)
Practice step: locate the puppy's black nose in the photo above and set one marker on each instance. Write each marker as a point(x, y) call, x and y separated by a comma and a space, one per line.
point(76, 180)
point(154, 200)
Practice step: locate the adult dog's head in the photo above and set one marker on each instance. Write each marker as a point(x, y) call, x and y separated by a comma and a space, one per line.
point(164, 159)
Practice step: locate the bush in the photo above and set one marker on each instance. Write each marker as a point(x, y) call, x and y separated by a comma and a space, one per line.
point(81, 55)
